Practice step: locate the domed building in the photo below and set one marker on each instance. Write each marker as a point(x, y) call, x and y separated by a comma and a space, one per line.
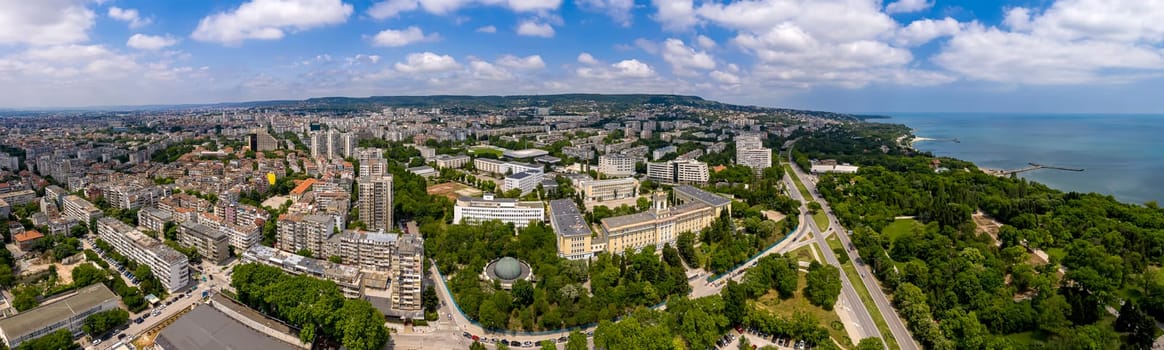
point(507, 270)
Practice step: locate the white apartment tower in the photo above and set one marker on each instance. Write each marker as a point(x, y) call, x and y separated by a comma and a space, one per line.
point(376, 202)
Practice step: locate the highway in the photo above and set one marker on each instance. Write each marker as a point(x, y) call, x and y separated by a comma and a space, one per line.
point(896, 325)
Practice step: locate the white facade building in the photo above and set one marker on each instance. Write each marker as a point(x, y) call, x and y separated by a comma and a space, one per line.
point(616, 165)
point(526, 181)
point(472, 211)
point(170, 266)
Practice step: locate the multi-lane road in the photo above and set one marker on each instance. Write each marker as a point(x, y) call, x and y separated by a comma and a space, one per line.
point(896, 326)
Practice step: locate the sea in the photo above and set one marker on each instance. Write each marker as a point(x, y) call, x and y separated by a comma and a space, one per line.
point(1122, 155)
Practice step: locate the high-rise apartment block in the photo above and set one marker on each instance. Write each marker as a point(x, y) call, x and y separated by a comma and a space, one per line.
point(376, 202)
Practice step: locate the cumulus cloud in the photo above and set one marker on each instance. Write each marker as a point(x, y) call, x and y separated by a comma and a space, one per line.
point(725, 78)
point(587, 59)
point(398, 38)
point(392, 8)
point(487, 71)
point(44, 22)
point(427, 62)
point(705, 42)
point(534, 28)
point(150, 42)
point(623, 69)
point(618, 10)
point(522, 63)
point(684, 58)
point(270, 20)
point(925, 30)
point(675, 14)
point(908, 6)
point(1071, 42)
point(487, 29)
point(130, 16)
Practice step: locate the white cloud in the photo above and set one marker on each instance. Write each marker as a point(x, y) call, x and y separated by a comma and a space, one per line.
point(1071, 42)
point(270, 20)
point(150, 42)
point(427, 62)
point(398, 38)
point(674, 14)
point(923, 31)
point(130, 16)
point(522, 63)
point(632, 68)
point(487, 29)
point(533, 28)
point(44, 22)
point(705, 42)
point(684, 58)
point(487, 71)
point(908, 6)
point(647, 46)
point(587, 59)
point(618, 10)
point(391, 8)
point(725, 78)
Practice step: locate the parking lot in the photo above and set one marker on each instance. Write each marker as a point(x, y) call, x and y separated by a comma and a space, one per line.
point(758, 340)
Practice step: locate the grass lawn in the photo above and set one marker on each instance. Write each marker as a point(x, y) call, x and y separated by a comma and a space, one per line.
point(483, 150)
point(799, 185)
point(802, 254)
point(882, 326)
point(822, 220)
point(898, 228)
point(771, 302)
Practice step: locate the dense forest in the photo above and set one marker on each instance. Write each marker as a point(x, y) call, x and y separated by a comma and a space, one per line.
point(958, 286)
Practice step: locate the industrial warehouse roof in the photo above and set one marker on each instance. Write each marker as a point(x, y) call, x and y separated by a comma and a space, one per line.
point(206, 328)
point(86, 298)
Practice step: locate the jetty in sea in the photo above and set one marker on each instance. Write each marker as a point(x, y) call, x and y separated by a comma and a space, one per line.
point(1035, 166)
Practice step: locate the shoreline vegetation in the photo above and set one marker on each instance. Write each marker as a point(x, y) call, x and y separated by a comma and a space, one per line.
point(955, 285)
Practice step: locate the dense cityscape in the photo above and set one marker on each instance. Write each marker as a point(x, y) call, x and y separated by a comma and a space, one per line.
point(556, 222)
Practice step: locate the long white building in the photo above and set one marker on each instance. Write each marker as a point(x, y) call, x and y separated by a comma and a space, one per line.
point(678, 171)
point(617, 165)
point(525, 181)
point(472, 210)
point(170, 266)
point(609, 189)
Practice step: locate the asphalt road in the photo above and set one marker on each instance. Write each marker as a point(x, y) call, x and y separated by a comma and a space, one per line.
point(896, 325)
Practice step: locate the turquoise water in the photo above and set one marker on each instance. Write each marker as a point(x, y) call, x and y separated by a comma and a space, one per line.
point(1123, 155)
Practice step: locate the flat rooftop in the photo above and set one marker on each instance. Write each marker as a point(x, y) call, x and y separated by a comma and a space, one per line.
point(566, 219)
point(31, 320)
point(206, 328)
point(708, 198)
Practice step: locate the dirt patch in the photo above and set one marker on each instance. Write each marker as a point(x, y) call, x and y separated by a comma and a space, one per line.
point(773, 215)
point(987, 225)
point(452, 190)
point(64, 271)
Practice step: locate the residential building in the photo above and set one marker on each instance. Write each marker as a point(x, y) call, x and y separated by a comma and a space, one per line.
point(678, 171)
point(663, 151)
point(750, 151)
point(26, 239)
point(170, 266)
point(262, 141)
point(473, 211)
point(375, 167)
point(153, 219)
point(210, 243)
point(616, 165)
point(375, 199)
point(573, 234)
point(21, 197)
point(68, 313)
point(407, 271)
point(610, 189)
point(371, 251)
point(525, 181)
point(79, 209)
point(55, 193)
point(304, 232)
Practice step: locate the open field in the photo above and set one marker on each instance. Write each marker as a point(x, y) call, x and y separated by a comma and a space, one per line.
point(822, 220)
point(771, 302)
point(452, 190)
point(899, 228)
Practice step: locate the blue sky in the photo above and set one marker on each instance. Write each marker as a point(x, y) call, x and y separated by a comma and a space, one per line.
point(840, 55)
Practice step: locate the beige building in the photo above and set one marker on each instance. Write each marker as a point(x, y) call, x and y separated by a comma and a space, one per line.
point(407, 271)
point(371, 251)
point(376, 202)
point(299, 232)
point(617, 165)
point(77, 208)
point(610, 189)
point(209, 242)
point(575, 240)
point(447, 161)
point(663, 223)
